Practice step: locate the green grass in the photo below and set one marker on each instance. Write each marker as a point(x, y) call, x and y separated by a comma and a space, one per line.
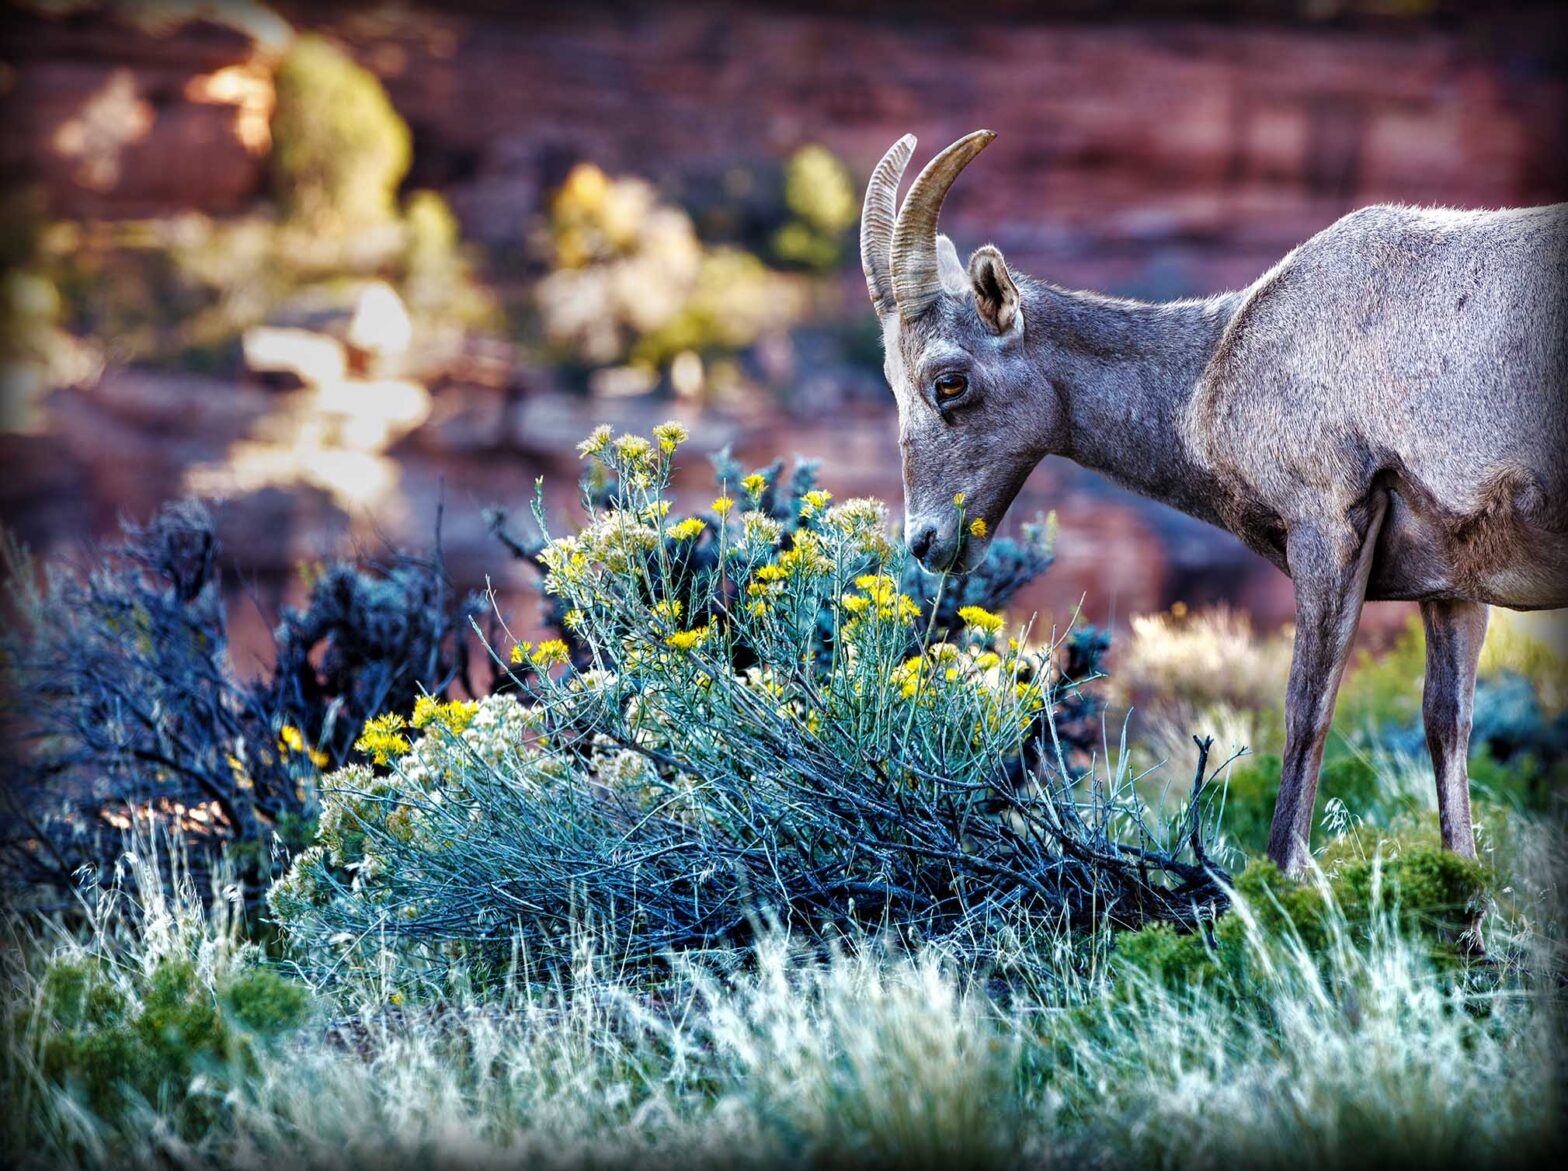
point(1330, 1023)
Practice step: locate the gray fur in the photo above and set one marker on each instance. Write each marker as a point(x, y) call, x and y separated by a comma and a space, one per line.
point(1382, 415)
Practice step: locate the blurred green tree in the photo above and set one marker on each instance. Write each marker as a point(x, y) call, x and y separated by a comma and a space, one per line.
point(339, 149)
point(821, 198)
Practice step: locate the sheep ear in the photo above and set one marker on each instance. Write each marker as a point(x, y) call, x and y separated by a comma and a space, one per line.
point(996, 296)
point(950, 269)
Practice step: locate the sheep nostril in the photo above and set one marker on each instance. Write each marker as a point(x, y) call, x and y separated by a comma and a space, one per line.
point(920, 543)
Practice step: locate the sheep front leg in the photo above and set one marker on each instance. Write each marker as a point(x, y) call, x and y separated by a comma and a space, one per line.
point(1329, 566)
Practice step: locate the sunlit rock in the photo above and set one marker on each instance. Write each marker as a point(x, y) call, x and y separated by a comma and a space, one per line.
point(314, 359)
point(380, 326)
point(370, 416)
point(355, 480)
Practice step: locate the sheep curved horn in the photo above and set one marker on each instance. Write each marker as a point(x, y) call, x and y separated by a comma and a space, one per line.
point(916, 283)
point(877, 216)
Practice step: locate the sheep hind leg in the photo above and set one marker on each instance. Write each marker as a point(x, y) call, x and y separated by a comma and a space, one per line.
point(1454, 634)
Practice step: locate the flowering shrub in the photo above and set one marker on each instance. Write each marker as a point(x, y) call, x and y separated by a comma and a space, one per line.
point(758, 720)
point(630, 281)
point(120, 696)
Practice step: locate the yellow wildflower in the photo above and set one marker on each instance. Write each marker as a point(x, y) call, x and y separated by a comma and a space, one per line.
point(754, 484)
point(804, 557)
point(382, 738)
point(632, 448)
point(959, 498)
point(573, 619)
point(685, 640)
point(658, 510)
point(670, 610)
point(290, 739)
point(977, 527)
point(687, 528)
point(723, 505)
point(596, 442)
point(670, 436)
point(814, 501)
point(981, 619)
point(550, 652)
point(454, 716)
point(521, 651)
point(771, 573)
point(761, 528)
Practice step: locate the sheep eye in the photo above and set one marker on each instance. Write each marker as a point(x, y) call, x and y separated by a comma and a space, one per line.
point(950, 386)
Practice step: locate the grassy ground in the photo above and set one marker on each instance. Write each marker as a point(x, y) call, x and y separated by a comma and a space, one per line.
point(1334, 1023)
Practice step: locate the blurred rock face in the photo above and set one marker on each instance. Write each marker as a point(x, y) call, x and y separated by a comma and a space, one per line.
point(1147, 157)
point(1153, 159)
point(120, 119)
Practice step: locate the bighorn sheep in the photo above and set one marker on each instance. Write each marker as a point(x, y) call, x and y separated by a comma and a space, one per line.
point(1382, 415)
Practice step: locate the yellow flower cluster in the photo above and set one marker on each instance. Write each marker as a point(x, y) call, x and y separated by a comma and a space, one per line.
point(687, 529)
point(1003, 700)
point(804, 557)
point(633, 452)
point(632, 449)
point(544, 656)
point(814, 502)
point(598, 439)
point(754, 484)
point(670, 436)
point(722, 506)
point(291, 739)
point(454, 716)
point(862, 523)
point(383, 738)
point(977, 527)
point(879, 599)
point(689, 640)
point(617, 541)
point(550, 652)
point(761, 529)
point(981, 619)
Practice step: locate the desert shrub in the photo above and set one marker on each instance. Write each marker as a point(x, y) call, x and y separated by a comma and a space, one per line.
point(631, 282)
point(120, 696)
point(36, 354)
point(1209, 657)
point(155, 1005)
point(1365, 1048)
point(339, 149)
point(754, 726)
point(436, 277)
point(783, 501)
point(117, 1047)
